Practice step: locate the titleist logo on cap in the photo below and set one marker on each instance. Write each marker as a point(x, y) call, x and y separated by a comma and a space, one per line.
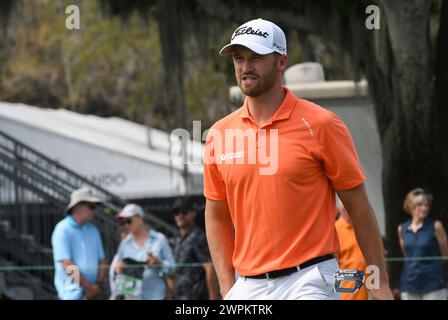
point(260, 36)
point(249, 30)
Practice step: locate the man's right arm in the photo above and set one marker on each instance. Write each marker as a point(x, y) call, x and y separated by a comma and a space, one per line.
point(221, 242)
point(91, 291)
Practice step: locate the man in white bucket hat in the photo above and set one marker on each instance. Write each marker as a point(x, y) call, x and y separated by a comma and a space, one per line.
point(78, 251)
point(83, 194)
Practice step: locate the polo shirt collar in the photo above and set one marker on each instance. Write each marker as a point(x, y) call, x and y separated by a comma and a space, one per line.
point(283, 112)
point(73, 222)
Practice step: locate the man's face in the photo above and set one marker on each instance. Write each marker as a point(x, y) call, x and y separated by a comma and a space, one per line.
point(255, 73)
point(184, 218)
point(86, 210)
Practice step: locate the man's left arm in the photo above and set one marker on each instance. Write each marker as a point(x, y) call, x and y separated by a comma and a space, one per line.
point(102, 272)
point(367, 235)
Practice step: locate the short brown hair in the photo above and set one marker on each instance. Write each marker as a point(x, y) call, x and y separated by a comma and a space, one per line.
point(414, 197)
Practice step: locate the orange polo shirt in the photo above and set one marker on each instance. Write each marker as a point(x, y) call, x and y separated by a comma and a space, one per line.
point(350, 256)
point(279, 180)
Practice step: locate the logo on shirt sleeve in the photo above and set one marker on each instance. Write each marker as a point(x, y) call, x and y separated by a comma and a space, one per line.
point(310, 129)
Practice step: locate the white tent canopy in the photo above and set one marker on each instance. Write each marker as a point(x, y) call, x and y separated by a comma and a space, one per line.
point(113, 152)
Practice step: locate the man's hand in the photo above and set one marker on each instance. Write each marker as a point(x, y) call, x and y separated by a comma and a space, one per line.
point(383, 293)
point(225, 288)
point(92, 291)
point(368, 235)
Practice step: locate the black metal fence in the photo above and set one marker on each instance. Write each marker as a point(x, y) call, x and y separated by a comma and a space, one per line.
point(34, 191)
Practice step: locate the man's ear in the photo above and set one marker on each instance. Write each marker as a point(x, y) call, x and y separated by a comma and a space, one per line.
point(282, 63)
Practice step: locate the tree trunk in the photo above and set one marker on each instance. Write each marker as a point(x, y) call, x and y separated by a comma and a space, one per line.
point(440, 144)
point(409, 134)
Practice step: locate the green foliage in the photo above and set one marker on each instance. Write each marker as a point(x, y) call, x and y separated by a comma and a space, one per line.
point(207, 98)
point(110, 67)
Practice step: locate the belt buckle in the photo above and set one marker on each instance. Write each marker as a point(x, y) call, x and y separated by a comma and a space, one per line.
point(267, 275)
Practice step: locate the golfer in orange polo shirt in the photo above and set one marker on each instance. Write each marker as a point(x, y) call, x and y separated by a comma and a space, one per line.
point(271, 170)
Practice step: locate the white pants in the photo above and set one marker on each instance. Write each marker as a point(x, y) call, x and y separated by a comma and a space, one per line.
point(312, 283)
point(433, 295)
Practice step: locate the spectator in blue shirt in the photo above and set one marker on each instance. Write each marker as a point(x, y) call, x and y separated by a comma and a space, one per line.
point(78, 251)
point(149, 249)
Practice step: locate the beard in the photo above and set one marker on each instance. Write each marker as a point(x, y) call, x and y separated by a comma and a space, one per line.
point(264, 83)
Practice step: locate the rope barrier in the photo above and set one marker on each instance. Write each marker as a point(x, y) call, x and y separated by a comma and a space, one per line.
point(51, 267)
point(192, 265)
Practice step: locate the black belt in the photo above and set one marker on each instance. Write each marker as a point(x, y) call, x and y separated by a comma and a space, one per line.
point(288, 271)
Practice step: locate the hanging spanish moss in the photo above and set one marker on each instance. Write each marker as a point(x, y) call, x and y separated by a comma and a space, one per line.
point(178, 21)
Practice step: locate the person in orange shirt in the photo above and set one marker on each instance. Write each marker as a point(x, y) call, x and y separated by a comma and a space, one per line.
point(350, 255)
point(272, 170)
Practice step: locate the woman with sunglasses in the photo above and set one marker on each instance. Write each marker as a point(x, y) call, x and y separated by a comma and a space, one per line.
point(150, 254)
point(423, 241)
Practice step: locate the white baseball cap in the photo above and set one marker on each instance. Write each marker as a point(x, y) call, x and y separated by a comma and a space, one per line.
point(260, 36)
point(130, 210)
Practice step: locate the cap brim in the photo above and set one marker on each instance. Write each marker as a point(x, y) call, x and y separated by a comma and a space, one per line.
point(255, 47)
point(91, 200)
point(177, 209)
point(124, 215)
